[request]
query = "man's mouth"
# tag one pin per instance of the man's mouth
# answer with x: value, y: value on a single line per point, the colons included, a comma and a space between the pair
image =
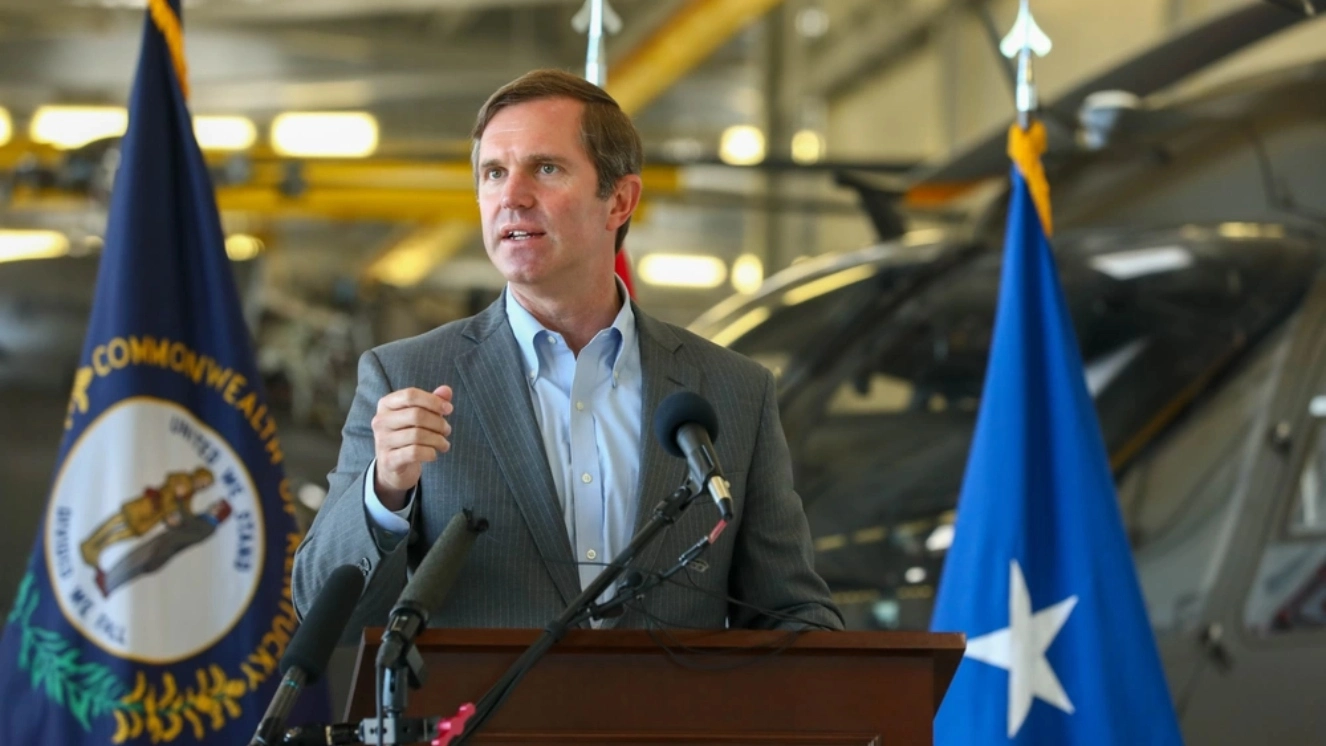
x: 520, y: 235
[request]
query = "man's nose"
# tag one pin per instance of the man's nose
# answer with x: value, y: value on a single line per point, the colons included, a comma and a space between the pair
x: 516, y: 192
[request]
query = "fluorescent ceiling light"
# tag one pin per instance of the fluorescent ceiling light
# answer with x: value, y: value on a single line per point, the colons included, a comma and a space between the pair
x: 1126, y: 265
x: 17, y: 245
x: 741, y: 145
x: 683, y: 270
x: 69, y: 127
x: 341, y: 134
x: 747, y: 274
x: 6, y: 126
x: 1250, y: 230
x: 807, y: 147
x: 224, y: 132
x: 241, y: 247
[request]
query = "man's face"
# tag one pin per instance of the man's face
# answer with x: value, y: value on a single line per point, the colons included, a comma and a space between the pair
x: 544, y: 226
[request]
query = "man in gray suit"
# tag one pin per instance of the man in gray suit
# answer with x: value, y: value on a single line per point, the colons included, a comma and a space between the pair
x: 536, y: 412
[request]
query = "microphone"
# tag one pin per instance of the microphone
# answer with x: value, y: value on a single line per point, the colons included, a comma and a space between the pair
x: 310, y: 648
x: 686, y: 425
x: 429, y: 586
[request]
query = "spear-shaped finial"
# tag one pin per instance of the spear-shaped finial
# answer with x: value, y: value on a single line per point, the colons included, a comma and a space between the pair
x: 1025, y: 38
x: 594, y: 17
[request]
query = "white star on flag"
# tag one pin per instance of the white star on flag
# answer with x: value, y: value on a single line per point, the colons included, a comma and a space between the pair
x: 1020, y: 649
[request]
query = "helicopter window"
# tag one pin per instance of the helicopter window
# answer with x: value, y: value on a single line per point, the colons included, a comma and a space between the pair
x: 1289, y: 592
x: 1179, y: 500
x: 1309, y: 510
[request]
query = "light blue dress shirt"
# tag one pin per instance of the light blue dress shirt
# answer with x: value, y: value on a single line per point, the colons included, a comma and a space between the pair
x: 589, y: 411
x: 588, y: 407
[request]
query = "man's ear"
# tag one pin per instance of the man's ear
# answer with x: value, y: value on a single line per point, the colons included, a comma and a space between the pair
x: 624, y: 199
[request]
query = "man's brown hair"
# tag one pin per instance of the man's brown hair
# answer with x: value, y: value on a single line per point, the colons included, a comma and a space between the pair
x: 607, y: 134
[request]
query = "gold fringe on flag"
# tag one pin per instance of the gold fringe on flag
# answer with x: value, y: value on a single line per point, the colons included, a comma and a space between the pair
x: 1025, y: 147
x: 169, y: 25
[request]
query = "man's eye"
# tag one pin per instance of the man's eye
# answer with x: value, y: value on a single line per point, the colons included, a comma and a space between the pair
x: 493, y: 173
x: 548, y: 168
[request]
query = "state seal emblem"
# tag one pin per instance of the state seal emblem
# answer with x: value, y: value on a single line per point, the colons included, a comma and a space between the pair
x: 170, y: 538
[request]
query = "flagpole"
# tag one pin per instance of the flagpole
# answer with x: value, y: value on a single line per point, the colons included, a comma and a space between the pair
x: 1025, y: 38
x: 1026, y: 92
x: 593, y: 18
x: 595, y: 69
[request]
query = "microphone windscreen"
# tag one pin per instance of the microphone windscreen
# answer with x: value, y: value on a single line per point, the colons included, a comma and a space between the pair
x: 681, y: 408
x: 311, y: 646
x: 439, y: 568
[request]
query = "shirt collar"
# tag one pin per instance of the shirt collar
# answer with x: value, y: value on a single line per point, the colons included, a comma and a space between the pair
x: 527, y: 329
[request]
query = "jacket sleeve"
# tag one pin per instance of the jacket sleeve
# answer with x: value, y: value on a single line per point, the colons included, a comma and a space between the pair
x: 343, y: 532
x: 773, y: 563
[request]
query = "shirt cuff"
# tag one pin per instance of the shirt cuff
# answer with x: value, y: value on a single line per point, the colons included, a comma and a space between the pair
x: 395, y: 522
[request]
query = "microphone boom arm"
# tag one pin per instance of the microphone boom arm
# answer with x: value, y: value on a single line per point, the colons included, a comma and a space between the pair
x: 583, y: 607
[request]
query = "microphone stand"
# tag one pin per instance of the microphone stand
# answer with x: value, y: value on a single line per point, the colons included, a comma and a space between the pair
x: 389, y: 727
x: 394, y: 729
x: 405, y: 673
x: 584, y: 607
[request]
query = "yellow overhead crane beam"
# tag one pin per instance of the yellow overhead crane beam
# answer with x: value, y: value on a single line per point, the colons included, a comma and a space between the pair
x: 407, y: 191
x: 369, y: 189
x: 682, y: 42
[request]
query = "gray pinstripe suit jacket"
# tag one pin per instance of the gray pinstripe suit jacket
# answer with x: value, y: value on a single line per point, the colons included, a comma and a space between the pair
x: 521, y: 572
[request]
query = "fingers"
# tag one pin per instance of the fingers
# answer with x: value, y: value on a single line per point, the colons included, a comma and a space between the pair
x: 410, y: 429
x: 411, y: 436
x: 399, y: 468
x: 412, y: 397
x: 413, y: 418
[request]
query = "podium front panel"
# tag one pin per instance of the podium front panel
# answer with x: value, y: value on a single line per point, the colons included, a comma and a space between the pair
x: 693, y: 687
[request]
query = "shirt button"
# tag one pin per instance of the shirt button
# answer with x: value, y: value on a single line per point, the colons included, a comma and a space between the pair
x: 591, y: 554
x: 580, y: 406
x: 586, y: 478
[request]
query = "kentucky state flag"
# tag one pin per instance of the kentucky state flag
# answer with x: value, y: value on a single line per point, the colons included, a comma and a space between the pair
x: 1040, y: 576
x: 157, y: 600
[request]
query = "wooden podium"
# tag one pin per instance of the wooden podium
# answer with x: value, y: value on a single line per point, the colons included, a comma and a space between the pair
x: 735, y: 688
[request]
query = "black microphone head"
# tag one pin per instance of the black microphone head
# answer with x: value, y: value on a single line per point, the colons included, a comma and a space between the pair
x: 439, y: 568
x: 681, y: 408
x: 311, y: 646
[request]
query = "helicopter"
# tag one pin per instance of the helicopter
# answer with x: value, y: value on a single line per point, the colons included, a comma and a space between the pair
x: 1191, y: 245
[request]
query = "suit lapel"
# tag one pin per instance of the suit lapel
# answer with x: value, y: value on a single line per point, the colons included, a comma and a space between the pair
x: 664, y: 373
x: 493, y: 378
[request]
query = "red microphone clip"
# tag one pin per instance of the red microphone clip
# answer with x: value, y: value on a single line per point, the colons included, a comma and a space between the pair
x: 453, y: 726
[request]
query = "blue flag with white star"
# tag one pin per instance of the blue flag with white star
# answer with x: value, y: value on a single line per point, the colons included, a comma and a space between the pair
x: 157, y: 604
x: 1040, y: 575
